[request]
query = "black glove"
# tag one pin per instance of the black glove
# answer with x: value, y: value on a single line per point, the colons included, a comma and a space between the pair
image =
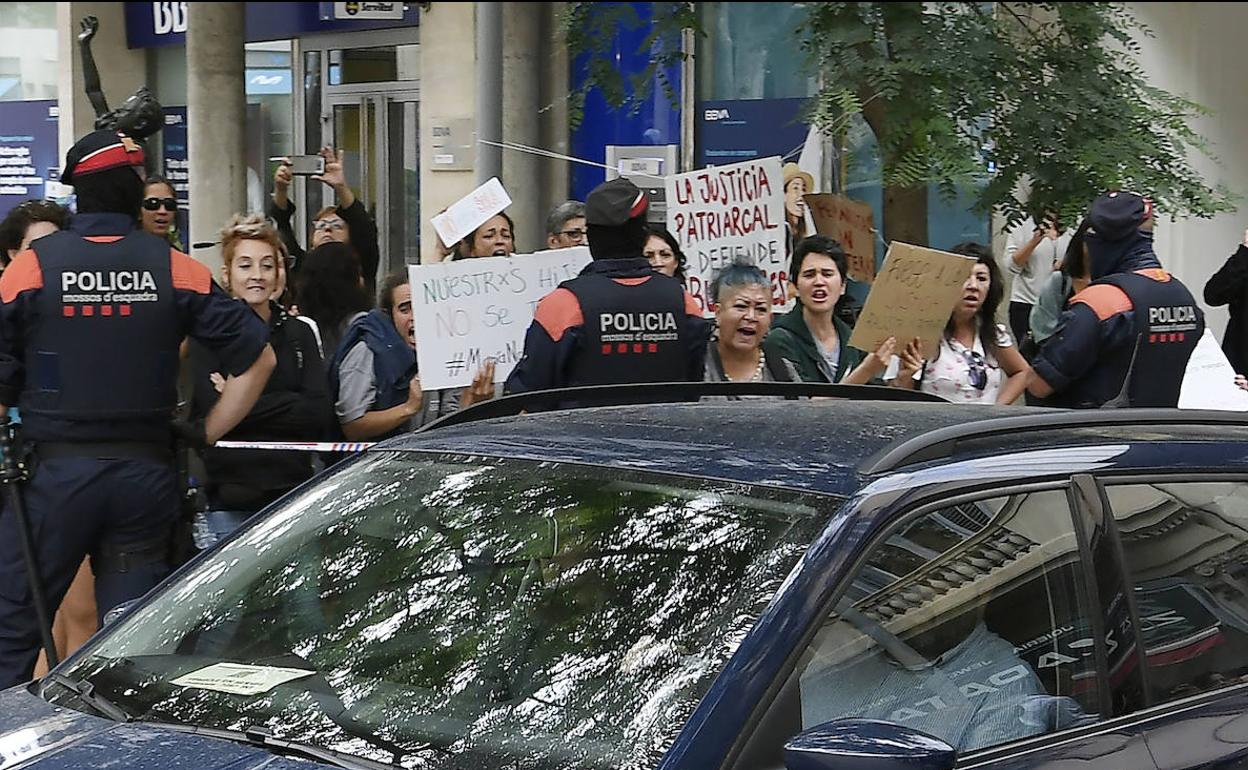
x: 191, y: 432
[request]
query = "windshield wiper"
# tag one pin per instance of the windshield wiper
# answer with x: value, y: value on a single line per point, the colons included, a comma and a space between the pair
x: 87, y: 694
x: 262, y: 738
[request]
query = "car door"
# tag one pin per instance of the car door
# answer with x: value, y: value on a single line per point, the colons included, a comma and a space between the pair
x: 1185, y: 546
x: 976, y: 620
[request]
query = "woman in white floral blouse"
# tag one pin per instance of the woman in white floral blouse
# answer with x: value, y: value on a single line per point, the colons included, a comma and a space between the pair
x: 977, y: 361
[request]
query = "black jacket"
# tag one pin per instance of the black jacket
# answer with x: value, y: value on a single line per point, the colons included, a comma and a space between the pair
x: 293, y: 407
x: 363, y: 239
x: 1229, y: 286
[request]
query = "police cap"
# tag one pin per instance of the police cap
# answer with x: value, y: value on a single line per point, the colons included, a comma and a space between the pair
x: 100, y: 151
x: 1116, y: 215
x: 613, y: 203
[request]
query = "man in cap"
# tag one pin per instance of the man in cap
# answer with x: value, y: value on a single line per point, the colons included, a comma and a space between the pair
x: 1125, y: 340
x: 91, y: 319
x: 619, y: 321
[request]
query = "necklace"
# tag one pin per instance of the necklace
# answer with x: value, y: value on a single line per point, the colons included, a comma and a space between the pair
x: 757, y: 376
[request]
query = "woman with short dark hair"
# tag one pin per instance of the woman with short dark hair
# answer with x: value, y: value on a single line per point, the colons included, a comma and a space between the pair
x: 810, y: 336
x: 741, y: 296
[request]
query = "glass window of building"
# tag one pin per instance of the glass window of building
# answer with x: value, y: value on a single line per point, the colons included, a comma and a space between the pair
x: 28, y: 40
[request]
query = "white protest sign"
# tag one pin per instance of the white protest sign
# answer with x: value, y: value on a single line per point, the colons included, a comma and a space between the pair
x: 240, y: 678
x: 472, y: 310
x: 470, y: 212
x: 1209, y: 381
x: 718, y: 214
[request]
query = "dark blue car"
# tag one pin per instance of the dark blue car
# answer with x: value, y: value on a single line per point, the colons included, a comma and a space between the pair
x: 717, y: 585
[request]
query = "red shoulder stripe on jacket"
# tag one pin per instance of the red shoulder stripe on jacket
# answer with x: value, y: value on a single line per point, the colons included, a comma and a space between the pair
x: 692, y: 306
x: 1104, y: 300
x: 189, y: 274
x: 558, y: 312
x: 22, y: 274
x: 1156, y: 273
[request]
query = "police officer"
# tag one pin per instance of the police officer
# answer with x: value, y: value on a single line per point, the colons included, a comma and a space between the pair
x: 619, y: 321
x: 91, y: 319
x: 1125, y: 340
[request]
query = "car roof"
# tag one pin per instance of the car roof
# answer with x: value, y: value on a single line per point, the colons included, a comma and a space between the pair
x: 817, y: 446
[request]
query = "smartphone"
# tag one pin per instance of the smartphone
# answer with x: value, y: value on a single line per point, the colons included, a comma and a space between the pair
x: 305, y: 165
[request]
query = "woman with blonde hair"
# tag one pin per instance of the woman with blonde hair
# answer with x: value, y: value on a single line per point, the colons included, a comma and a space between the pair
x: 295, y: 403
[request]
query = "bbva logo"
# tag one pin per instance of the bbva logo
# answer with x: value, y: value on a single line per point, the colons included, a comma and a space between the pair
x: 720, y: 114
x: 169, y: 17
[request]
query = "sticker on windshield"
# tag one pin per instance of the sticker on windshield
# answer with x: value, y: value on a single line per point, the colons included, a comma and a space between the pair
x: 240, y: 679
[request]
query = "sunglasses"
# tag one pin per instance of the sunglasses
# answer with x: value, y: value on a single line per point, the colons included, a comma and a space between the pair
x: 155, y: 204
x: 327, y: 225
x: 977, y: 368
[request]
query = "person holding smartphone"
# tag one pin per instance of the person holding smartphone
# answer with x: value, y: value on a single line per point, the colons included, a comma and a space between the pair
x: 1032, y: 252
x: 347, y: 222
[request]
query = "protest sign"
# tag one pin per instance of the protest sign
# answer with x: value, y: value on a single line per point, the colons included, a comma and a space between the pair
x: 1209, y: 381
x: 848, y: 222
x: 469, y: 212
x: 721, y: 213
x: 471, y: 310
x: 912, y: 297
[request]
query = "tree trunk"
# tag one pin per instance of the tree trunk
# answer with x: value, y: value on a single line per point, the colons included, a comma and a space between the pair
x: 905, y: 215
x: 905, y: 208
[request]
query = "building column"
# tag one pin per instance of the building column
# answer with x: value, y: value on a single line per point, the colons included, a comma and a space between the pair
x: 555, y: 176
x: 447, y: 93
x: 216, y: 121
x: 521, y: 171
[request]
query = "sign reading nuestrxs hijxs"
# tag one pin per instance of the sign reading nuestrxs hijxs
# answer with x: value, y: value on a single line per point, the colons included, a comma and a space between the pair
x: 722, y: 213
x: 472, y: 310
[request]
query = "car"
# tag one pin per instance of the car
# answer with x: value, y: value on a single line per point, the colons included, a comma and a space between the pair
x: 837, y: 583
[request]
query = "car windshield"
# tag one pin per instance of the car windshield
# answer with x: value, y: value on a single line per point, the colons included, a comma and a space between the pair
x: 444, y: 612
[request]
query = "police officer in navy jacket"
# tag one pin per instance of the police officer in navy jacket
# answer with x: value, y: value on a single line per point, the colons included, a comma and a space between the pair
x: 619, y: 321
x: 91, y: 320
x: 1126, y: 339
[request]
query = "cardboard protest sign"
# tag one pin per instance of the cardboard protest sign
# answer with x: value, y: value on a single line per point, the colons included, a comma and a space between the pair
x: 721, y: 213
x: 471, y: 310
x: 469, y: 212
x: 912, y: 297
x: 1209, y: 381
x: 849, y: 222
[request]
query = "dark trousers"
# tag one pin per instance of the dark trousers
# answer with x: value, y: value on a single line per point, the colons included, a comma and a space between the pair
x: 79, y: 506
x: 1020, y: 321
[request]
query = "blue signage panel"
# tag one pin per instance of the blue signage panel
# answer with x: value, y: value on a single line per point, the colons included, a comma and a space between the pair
x: 28, y: 150
x: 733, y: 130
x: 178, y: 165
x: 268, y: 81
x: 150, y: 25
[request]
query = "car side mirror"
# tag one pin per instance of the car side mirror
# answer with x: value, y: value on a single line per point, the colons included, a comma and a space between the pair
x: 116, y: 612
x: 866, y: 744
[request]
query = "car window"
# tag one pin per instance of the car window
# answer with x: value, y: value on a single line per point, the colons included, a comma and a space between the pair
x: 443, y: 614
x: 1185, y: 546
x: 968, y: 623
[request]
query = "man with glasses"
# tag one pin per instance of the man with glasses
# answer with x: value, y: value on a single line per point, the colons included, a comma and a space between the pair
x: 348, y: 222
x: 1126, y: 339
x: 565, y: 227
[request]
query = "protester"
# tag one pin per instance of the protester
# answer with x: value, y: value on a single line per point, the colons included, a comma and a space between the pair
x: 976, y: 361
x: 373, y: 375
x: 565, y: 227
x: 1063, y: 284
x: 331, y: 292
x: 294, y: 405
x: 664, y: 253
x: 27, y: 221
x: 1127, y: 338
x: 96, y: 385
x: 160, y: 210
x: 810, y: 336
x: 1032, y: 253
x: 797, y: 183
x: 1229, y: 286
x: 495, y: 237
x: 619, y: 321
x: 741, y: 294
x: 347, y: 222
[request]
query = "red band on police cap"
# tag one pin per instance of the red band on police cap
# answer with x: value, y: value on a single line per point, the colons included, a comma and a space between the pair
x: 639, y: 205
x: 112, y: 156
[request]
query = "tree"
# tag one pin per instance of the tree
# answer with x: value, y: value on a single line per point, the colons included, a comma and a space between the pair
x: 1046, y: 102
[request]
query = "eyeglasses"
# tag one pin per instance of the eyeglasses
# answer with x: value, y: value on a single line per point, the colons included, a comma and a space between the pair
x: 155, y: 204
x: 573, y: 234
x: 977, y: 368
x: 326, y: 225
